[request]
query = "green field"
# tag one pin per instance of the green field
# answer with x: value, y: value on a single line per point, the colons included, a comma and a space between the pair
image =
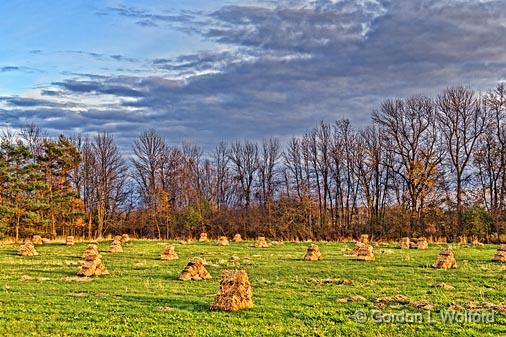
x: 142, y: 296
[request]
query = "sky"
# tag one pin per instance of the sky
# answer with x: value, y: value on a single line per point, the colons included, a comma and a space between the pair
x: 205, y: 70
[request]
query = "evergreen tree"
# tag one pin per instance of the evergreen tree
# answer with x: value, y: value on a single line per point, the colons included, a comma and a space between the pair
x: 59, y: 159
x: 22, y: 183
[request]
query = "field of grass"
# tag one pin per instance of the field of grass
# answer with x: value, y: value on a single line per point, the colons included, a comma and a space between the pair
x: 142, y: 296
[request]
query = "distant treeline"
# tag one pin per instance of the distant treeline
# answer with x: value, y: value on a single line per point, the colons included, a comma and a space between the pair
x: 424, y: 166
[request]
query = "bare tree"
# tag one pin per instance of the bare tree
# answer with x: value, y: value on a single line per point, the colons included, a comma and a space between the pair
x: 220, y: 162
x: 244, y: 157
x: 267, y: 173
x: 150, y: 153
x: 34, y: 138
x: 344, y: 152
x: 461, y: 121
x: 110, y: 175
x: 490, y: 155
x: 411, y: 129
x: 373, y: 172
x: 292, y: 160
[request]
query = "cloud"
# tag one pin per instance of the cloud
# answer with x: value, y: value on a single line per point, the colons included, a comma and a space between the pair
x: 303, y: 29
x: 146, y: 18
x: 109, y: 87
x: 8, y: 69
x: 278, y: 67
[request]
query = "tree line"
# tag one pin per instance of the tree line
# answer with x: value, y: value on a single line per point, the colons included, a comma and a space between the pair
x: 423, y: 166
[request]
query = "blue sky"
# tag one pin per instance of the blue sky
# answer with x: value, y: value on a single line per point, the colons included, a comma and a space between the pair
x: 211, y: 70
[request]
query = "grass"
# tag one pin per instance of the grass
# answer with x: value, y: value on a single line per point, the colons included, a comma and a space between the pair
x: 142, y: 296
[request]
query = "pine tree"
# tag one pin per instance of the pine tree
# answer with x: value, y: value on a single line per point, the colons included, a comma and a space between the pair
x: 59, y: 159
x: 21, y: 181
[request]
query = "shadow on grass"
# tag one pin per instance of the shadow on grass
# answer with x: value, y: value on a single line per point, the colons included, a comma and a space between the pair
x: 187, y: 305
x: 12, y: 253
x: 55, y: 274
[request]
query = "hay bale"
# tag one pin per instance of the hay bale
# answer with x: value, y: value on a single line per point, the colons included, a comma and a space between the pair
x: 237, y: 238
x: 116, y: 247
x: 92, y: 265
x: 405, y: 243
x: 393, y: 299
x: 117, y: 238
x: 445, y: 260
x: 441, y: 239
x: 26, y: 278
x: 422, y: 243
x: 169, y: 253
x: 69, y: 241
x: 443, y: 285
x: 125, y: 238
x: 28, y: 249
x: 313, y: 253
x: 261, y: 242
x: 358, y: 246
x: 475, y: 241
x: 364, y: 252
x: 194, y: 270
x: 223, y: 241
x: 203, y: 237
x: 37, y: 240
x: 353, y: 298
x: 500, y: 254
x: 77, y: 279
x: 235, y: 292
x: 364, y: 238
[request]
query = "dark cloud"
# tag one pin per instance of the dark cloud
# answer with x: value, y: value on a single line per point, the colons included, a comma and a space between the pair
x: 146, y: 18
x: 299, y: 29
x: 281, y: 66
x: 122, y: 58
x: 110, y: 87
x: 17, y: 101
x: 6, y: 69
x: 9, y: 68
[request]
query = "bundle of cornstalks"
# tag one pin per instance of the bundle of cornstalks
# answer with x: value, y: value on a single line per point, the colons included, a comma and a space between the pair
x: 364, y: 238
x: 125, y: 238
x: 364, y: 252
x: 445, y: 259
x: 203, y: 237
x: 261, y: 243
x: 116, y: 247
x: 237, y: 238
x: 69, y: 241
x: 441, y: 239
x: 117, y: 238
x: 92, y: 265
x: 194, y: 270
x: 500, y: 254
x: 169, y: 253
x: 405, y: 243
x: 28, y: 249
x: 222, y: 241
x: 462, y: 240
x: 313, y: 253
x: 475, y: 242
x: 235, y: 292
x: 422, y: 243
x: 37, y: 240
